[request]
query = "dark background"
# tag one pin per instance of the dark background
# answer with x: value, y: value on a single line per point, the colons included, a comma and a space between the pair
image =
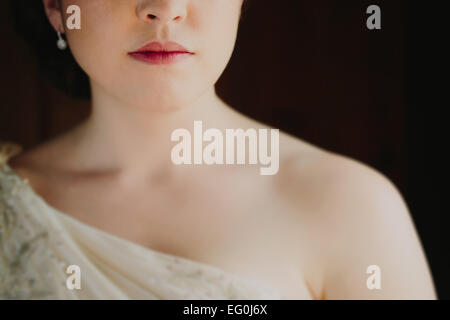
x: 310, y: 68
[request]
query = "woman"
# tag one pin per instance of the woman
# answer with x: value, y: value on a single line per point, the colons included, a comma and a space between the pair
x: 105, y: 198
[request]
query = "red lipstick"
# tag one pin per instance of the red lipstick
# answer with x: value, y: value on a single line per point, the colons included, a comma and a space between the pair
x: 156, y: 53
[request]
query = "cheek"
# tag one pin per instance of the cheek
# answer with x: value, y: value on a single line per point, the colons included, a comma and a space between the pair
x: 219, y: 37
x: 97, y: 44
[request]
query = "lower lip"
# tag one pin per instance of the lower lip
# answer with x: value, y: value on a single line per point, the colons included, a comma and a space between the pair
x: 158, y: 58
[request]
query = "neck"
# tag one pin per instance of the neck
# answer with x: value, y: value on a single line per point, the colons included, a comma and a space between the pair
x: 124, y: 138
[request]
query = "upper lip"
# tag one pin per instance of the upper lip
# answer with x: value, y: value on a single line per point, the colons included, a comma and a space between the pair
x: 156, y: 46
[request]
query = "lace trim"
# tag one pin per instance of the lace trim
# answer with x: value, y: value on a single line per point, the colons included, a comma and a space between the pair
x: 8, y: 150
x: 26, y: 257
x: 23, y: 243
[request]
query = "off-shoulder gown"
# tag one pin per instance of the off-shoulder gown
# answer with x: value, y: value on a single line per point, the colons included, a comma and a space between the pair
x: 38, y: 243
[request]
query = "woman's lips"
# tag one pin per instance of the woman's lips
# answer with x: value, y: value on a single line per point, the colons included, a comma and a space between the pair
x: 154, y: 57
x: 157, y: 53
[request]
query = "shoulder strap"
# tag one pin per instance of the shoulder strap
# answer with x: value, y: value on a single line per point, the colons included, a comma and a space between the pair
x: 8, y: 150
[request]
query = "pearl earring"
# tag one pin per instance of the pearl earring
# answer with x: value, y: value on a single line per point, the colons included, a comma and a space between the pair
x: 61, y: 43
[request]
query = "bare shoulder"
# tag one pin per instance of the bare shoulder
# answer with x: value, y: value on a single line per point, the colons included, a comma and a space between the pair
x: 337, y: 177
x: 358, y: 220
x: 39, y: 163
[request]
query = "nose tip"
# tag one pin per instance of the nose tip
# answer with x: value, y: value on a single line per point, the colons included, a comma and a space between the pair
x: 152, y: 16
x: 164, y: 12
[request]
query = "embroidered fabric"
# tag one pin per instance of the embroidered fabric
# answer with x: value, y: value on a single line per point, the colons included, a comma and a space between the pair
x: 38, y: 243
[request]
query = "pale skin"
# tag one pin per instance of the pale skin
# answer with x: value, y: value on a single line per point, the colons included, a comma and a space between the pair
x: 309, y: 231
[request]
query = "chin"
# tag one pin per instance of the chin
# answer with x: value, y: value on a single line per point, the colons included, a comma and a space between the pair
x: 162, y: 95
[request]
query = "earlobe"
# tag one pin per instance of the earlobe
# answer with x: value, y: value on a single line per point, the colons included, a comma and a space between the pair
x: 54, y: 14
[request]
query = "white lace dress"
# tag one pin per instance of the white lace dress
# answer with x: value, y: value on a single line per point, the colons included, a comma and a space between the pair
x: 38, y: 243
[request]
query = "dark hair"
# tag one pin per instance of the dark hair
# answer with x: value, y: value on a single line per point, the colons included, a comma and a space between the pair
x: 59, y: 67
